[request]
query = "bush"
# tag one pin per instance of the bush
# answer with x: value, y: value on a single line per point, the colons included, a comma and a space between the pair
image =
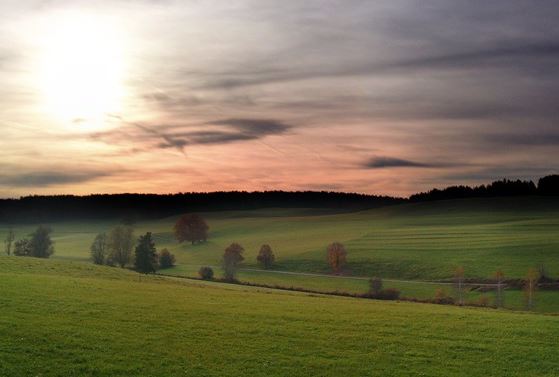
x: 387, y: 294
x: 166, y: 259
x: 442, y: 297
x: 483, y: 301
x: 206, y: 273
x: 22, y: 247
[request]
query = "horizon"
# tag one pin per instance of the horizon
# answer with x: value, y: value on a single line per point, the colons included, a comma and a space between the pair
x: 384, y: 98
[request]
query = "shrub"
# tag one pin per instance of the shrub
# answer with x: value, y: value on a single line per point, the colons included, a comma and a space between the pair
x: 483, y: 301
x: 166, y: 259
x: 387, y: 294
x: 22, y: 247
x: 206, y: 273
x: 442, y: 297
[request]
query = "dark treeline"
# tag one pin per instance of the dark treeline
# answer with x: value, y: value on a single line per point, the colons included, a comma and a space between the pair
x: 131, y: 207
x: 548, y: 185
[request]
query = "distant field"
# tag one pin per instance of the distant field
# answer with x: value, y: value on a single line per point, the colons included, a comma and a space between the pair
x: 423, y: 241
x: 61, y: 318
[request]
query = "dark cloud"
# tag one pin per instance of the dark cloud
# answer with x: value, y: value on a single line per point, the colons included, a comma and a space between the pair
x: 382, y: 162
x: 391, y: 162
x: 254, y: 127
x: 49, y: 178
x: 221, y: 131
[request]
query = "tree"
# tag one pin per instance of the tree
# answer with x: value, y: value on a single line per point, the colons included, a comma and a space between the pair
x: 10, y: 237
x: 166, y: 259
x: 206, y: 273
x: 459, y: 284
x: 266, y: 256
x: 500, y: 297
x: 99, y: 249
x: 146, y: 254
x: 119, y: 245
x: 192, y: 228
x: 530, y: 285
x: 232, y: 257
x: 40, y: 244
x: 22, y: 247
x: 375, y: 285
x: 336, y: 255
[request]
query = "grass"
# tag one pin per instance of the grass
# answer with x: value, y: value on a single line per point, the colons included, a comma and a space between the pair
x: 422, y: 241
x: 61, y: 318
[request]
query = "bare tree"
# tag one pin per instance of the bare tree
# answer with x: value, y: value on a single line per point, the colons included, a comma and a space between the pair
x: 120, y: 244
x: 500, y: 298
x: 530, y: 285
x: 10, y: 237
x: 99, y: 249
x: 459, y: 284
x: 336, y: 255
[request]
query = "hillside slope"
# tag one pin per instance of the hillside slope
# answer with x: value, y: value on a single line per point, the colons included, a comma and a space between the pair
x: 61, y: 318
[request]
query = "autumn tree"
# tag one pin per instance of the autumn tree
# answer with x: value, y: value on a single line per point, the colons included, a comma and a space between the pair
x: 8, y: 241
x: 499, y: 297
x: 119, y: 245
x: 459, y: 284
x: 192, y: 228
x: 145, y: 260
x: 266, y: 256
x: 336, y: 255
x: 530, y: 286
x: 166, y: 259
x: 40, y: 244
x: 98, y: 249
x: 232, y: 257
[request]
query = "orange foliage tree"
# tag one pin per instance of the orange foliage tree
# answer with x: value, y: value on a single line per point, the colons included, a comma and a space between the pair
x: 336, y: 255
x: 192, y: 228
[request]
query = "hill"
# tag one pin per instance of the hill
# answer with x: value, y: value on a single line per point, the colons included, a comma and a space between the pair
x: 62, y: 318
x: 411, y: 241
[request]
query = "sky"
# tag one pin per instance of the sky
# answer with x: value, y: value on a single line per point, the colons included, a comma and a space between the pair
x: 381, y: 97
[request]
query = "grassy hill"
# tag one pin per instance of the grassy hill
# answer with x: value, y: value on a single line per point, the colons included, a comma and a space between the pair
x: 413, y: 241
x: 61, y: 318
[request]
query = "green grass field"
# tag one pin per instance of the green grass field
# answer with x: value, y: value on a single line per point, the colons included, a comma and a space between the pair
x: 419, y: 242
x: 62, y: 318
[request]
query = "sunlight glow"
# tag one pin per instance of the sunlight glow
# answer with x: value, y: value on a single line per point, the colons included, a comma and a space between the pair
x: 82, y: 67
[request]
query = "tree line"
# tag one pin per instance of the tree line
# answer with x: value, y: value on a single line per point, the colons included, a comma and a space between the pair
x: 132, y: 207
x: 546, y: 186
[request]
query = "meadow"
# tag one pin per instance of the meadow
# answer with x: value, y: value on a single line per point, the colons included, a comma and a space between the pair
x: 61, y: 318
x: 413, y: 243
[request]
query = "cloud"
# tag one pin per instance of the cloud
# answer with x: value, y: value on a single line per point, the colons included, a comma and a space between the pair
x: 382, y: 162
x: 525, y: 56
x: 49, y: 178
x: 221, y: 131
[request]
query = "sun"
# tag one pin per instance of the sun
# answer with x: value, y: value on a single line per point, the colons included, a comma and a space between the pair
x: 82, y: 67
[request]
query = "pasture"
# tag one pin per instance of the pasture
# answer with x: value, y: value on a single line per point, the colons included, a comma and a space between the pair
x: 415, y: 241
x: 62, y: 318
